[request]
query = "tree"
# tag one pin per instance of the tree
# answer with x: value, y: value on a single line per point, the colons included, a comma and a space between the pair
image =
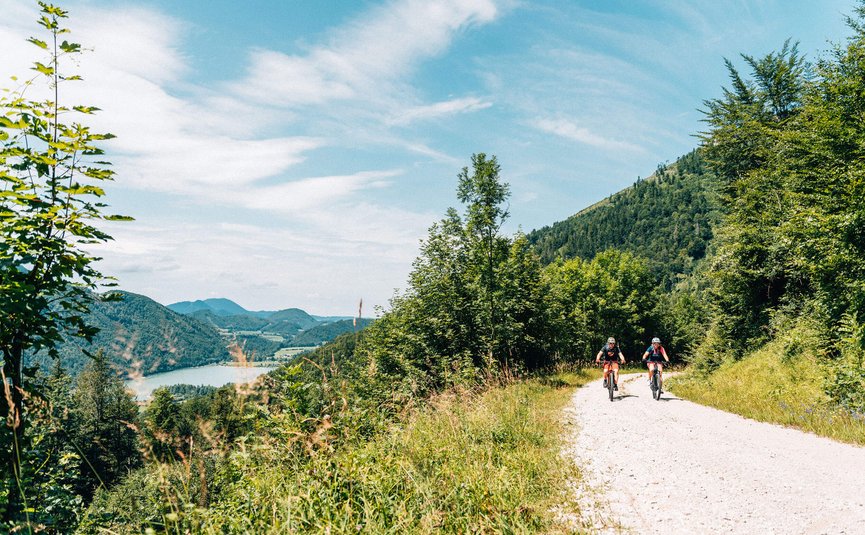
x: 614, y: 294
x: 107, y: 414
x: 49, y: 190
x: 484, y: 195
x: 745, y: 141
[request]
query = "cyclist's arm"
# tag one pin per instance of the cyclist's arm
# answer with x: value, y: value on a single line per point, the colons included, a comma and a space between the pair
x: 664, y: 352
x: 645, y: 355
x: 598, y: 356
x: 621, y: 356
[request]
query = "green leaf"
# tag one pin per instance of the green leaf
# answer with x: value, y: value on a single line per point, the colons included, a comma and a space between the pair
x: 37, y: 42
x: 48, y: 71
x: 68, y: 47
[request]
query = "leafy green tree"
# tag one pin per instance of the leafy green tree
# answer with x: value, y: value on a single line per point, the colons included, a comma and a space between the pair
x: 107, y: 418
x: 474, y: 302
x: 614, y: 294
x: 747, y: 127
x: 162, y: 419
x: 484, y: 195
x: 49, y: 176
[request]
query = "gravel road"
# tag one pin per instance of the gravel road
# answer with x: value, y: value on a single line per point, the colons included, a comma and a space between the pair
x: 672, y: 466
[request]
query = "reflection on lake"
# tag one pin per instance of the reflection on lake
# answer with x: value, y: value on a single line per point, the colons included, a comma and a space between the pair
x: 211, y: 375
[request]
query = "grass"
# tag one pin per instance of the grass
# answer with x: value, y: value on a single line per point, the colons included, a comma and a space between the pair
x: 769, y: 388
x: 464, y: 462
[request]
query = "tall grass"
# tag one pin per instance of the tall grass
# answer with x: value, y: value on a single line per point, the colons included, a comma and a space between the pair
x: 770, y: 386
x: 464, y: 462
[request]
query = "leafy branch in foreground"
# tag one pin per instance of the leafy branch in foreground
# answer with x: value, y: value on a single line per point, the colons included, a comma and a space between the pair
x: 50, y: 176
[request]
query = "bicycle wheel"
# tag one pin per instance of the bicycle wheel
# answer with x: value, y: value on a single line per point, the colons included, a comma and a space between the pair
x: 656, y: 385
x: 611, y: 384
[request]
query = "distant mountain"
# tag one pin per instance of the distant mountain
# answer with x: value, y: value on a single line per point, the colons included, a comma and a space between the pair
x: 295, y: 326
x: 329, y: 331
x: 286, y: 322
x: 330, y: 319
x: 236, y: 322
x: 291, y: 316
x: 218, y: 306
x: 140, y: 336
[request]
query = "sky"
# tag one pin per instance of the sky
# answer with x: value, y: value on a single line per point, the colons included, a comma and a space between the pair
x: 293, y: 154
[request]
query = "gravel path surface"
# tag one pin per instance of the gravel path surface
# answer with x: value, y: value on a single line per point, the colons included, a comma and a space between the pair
x: 672, y: 466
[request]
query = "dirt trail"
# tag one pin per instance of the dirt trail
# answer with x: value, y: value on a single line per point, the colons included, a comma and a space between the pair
x: 672, y: 466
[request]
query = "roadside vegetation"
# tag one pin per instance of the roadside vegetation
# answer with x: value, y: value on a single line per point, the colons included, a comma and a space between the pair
x: 465, y: 460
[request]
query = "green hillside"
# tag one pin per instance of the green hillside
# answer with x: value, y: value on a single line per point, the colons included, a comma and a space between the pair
x: 329, y: 331
x: 285, y: 320
x: 666, y: 218
x: 141, y: 336
x: 234, y: 322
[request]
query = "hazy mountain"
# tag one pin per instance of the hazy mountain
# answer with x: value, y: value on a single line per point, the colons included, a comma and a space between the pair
x: 328, y: 331
x: 234, y: 322
x: 218, y: 306
x: 330, y: 319
x: 140, y: 335
x: 291, y: 316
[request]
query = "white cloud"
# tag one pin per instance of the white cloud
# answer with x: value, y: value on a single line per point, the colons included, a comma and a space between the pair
x: 572, y: 131
x: 439, y: 109
x: 309, y: 193
x: 365, y: 57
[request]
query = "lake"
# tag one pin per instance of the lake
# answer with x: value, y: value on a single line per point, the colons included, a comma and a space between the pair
x: 210, y: 375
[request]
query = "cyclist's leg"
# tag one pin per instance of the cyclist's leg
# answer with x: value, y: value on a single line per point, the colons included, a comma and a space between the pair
x: 606, y: 371
x: 615, y: 367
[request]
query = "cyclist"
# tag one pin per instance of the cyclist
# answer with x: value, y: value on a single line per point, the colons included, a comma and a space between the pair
x: 612, y: 355
x: 654, y: 356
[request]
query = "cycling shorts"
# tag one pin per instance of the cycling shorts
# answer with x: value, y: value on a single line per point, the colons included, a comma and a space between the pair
x: 656, y: 361
x: 611, y: 365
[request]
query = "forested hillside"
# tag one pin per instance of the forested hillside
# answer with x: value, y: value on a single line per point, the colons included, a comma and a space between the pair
x: 666, y: 219
x: 140, y: 336
x: 329, y: 331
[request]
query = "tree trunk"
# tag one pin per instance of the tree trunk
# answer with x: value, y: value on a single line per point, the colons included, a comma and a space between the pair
x: 13, y: 402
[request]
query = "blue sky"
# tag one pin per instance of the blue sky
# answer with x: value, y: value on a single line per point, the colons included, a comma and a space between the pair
x: 293, y: 154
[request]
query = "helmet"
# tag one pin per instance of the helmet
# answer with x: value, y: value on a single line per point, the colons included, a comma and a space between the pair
x: 656, y: 340
x: 611, y: 340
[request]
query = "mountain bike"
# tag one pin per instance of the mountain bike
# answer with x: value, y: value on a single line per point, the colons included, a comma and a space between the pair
x: 611, y: 382
x: 655, y: 383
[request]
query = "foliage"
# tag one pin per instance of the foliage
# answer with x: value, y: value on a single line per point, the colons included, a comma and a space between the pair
x: 614, y: 294
x: 50, y: 176
x: 787, y: 146
x: 467, y: 462
x: 106, y: 433
x: 474, y: 305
